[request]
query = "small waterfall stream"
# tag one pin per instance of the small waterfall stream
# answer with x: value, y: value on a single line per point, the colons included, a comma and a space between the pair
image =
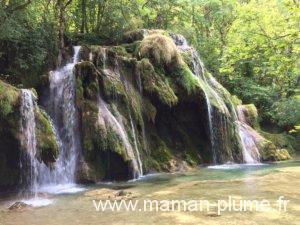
x: 63, y: 110
x: 249, y: 149
x: 110, y: 118
x: 64, y: 122
x: 116, y: 123
x: 249, y: 136
x: 38, y: 171
x: 137, y: 152
x: 28, y: 139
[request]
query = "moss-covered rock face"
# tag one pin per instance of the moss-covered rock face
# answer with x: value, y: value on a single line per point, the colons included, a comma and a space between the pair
x: 156, y: 84
x: 248, y: 114
x: 10, y: 143
x: 146, y: 101
x: 104, y: 152
x: 282, y: 141
x: 9, y: 137
x: 47, y: 146
x: 152, y: 88
x: 269, y: 152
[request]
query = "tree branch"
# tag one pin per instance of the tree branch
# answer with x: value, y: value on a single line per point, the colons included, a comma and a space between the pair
x: 18, y: 7
x: 68, y: 3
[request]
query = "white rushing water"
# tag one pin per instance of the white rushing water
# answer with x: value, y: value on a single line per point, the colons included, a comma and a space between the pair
x: 28, y: 139
x: 64, y: 124
x: 115, y: 123
x: 62, y: 109
x: 60, y: 179
x: 137, y: 152
x: 249, y: 137
x: 29, y: 163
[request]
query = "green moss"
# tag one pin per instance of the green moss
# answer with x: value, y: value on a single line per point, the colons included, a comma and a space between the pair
x: 9, y: 135
x: 187, y: 58
x: 9, y: 97
x: 235, y: 100
x: 191, y: 158
x: 250, y: 114
x: 47, y: 146
x: 119, y: 50
x: 156, y: 84
x: 99, y: 139
x: 149, y: 110
x: 188, y: 80
x: 132, y: 47
x: 269, y: 152
x: 87, y: 81
x: 113, y: 87
x: 161, y: 154
x: 160, y: 49
x: 281, y: 141
x: 135, y: 35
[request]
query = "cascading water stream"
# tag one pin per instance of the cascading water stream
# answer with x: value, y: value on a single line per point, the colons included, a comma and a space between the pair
x: 137, y: 152
x: 211, y: 131
x: 62, y: 110
x: 108, y: 119
x: 140, y: 89
x: 34, y: 171
x: 249, y: 149
x: 115, y: 123
x: 248, y: 136
x: 28, y: 139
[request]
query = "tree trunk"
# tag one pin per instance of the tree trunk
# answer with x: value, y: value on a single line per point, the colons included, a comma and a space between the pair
x: 84, y: 28
x: 61, y: 5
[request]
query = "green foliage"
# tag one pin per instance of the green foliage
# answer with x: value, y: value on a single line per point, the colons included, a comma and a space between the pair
x: 251, y: 92
x: 27, y: 41
x: 286, y: 113
x: 8, y: 99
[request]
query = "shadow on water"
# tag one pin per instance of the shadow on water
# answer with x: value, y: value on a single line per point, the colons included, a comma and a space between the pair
x: 221, y: 172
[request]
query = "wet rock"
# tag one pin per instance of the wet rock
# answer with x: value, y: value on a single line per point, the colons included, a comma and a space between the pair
x: 109, y: 194
x: 17, y: 206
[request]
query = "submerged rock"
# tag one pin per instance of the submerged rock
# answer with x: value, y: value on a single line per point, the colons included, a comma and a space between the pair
x: 110, y: 194
x: 19, y: 206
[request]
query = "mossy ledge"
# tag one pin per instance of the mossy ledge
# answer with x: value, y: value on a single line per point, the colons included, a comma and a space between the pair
x: 10, y: 147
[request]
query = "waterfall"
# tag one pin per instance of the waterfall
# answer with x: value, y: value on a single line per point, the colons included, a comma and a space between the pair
x: 62, y: 109
x: 28, y: 139
x: 137, y: 152
x: 198, y: 70
x: 116, y: 124
x: 211, y: 131
x: 104, y: 57
x: 212, y: 90
x: 64, y: 123
x: 249, y: 137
